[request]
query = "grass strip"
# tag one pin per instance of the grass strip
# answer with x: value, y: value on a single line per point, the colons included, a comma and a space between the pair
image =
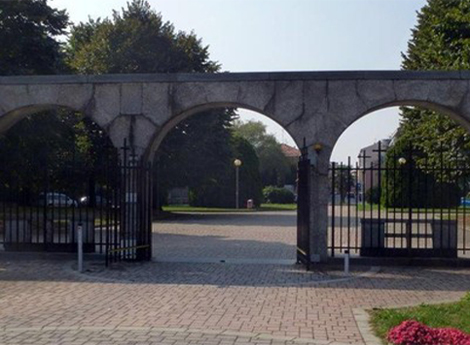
x: 455, y: 315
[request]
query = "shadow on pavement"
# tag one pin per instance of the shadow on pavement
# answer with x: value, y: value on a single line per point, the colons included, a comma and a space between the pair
x: 279, y: 219
x: 235, y: 275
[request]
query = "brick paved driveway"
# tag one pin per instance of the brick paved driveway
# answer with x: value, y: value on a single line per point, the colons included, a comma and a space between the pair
x: 46, y: 302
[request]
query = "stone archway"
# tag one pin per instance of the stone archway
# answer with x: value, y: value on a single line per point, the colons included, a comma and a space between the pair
x: 317, y: 106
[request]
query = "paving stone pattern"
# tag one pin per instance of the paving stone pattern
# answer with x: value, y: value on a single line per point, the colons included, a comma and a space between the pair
x: 47, y: 302
x: 44, y: 302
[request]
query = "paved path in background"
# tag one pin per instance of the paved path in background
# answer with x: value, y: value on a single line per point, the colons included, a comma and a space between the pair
x: 46, y: 302
x: 222, y: 236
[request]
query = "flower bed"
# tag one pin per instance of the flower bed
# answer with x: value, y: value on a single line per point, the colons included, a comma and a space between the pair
x: 414, y: 333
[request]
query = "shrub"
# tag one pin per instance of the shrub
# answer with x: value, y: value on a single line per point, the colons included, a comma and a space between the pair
x: 276, y: 195
x: 412, y: 332
x: 373, y: 195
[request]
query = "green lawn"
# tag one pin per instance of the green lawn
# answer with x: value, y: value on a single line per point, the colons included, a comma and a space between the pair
x: 454, y: 315
x: 278, y: 207
x: 375, y: 207
x: 264, y: 207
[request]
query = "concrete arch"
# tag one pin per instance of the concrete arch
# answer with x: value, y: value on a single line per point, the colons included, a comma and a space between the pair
x: 427, y: 105
x: 163, y: 131
x: 9, y: 119
x: 350, y: 100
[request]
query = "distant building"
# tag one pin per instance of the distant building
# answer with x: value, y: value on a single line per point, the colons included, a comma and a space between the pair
x: 291, y: 153
x: 369, y: 160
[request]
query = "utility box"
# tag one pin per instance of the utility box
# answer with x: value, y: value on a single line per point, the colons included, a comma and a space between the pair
x: 444, y: 236
x: 372, y: 236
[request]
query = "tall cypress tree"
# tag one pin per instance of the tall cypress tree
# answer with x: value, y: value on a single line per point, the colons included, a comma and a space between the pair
x: 440, y: 41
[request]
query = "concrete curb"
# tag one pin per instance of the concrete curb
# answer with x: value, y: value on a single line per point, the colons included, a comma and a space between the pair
x: 362, y: 319
x: 87, y: 276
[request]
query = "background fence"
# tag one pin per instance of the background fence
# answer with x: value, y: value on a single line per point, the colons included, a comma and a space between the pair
x: 112, y: 203
x: 400, y: 204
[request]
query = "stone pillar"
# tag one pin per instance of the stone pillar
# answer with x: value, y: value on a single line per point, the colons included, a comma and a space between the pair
x: 319, y: 197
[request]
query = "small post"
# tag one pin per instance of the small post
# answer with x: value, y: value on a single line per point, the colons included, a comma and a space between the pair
x: 237, y: 163
x: 346, y: 262
x: 80, y: 246
x: 237, y: 189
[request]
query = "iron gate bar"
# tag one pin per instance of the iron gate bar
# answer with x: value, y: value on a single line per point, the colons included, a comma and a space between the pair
x: 465, y: 193
x: 333, y: 208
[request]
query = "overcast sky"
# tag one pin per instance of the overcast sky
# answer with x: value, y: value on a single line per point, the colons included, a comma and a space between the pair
x: 291, y: 35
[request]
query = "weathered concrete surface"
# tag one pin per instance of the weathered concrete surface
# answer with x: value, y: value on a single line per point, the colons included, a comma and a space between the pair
x: 317, y: 106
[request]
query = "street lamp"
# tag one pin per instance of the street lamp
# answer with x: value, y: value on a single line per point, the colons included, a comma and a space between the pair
x: 237, y: 164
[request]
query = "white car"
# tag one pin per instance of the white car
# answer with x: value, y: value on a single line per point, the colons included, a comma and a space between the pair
x: 57, y: 200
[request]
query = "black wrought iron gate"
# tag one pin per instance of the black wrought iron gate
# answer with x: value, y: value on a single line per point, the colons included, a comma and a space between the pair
x: 400, y: 203
x: 303, y: 210
x: 131, y: 238
x: 111, y: 204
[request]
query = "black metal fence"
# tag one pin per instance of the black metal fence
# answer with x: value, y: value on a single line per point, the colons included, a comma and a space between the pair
x: 111, y: 203
x: 400, y: 203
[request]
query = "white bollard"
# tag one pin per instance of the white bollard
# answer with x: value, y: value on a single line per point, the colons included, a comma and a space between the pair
x: 346, y: 262
x: 80, y: 246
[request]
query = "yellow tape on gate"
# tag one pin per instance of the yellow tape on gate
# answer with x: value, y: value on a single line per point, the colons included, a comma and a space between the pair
x: 129, y: 248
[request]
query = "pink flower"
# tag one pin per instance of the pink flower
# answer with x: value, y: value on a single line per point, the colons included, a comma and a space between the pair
x: 411, y: 332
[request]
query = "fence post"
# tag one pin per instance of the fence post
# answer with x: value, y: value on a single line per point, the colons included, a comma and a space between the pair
x: 80, y: 246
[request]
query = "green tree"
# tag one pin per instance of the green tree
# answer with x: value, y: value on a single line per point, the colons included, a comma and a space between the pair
x: 190, y: 157
x: 275, y: 168
x: 197, y: 152
x: 136, y: 40
x: 60, y: 149
x: 440, y: 41
x: 56, y: 140
x: 409, y: 181
x: 28, y: 36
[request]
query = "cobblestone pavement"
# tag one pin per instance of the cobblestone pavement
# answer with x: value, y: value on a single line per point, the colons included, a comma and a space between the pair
x: 45, y: 302
x: 257, y: 235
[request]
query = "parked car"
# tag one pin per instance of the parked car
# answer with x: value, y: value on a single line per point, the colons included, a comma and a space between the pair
x: 100, y: 200
x: 56, y: 199
x: 464, y: 201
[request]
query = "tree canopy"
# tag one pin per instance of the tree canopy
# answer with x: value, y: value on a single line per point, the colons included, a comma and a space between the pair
x: 198, y: 151
x: 440, y: 41
x: 275, y: 169
x: 136, y: 40
x: 28, y: 36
